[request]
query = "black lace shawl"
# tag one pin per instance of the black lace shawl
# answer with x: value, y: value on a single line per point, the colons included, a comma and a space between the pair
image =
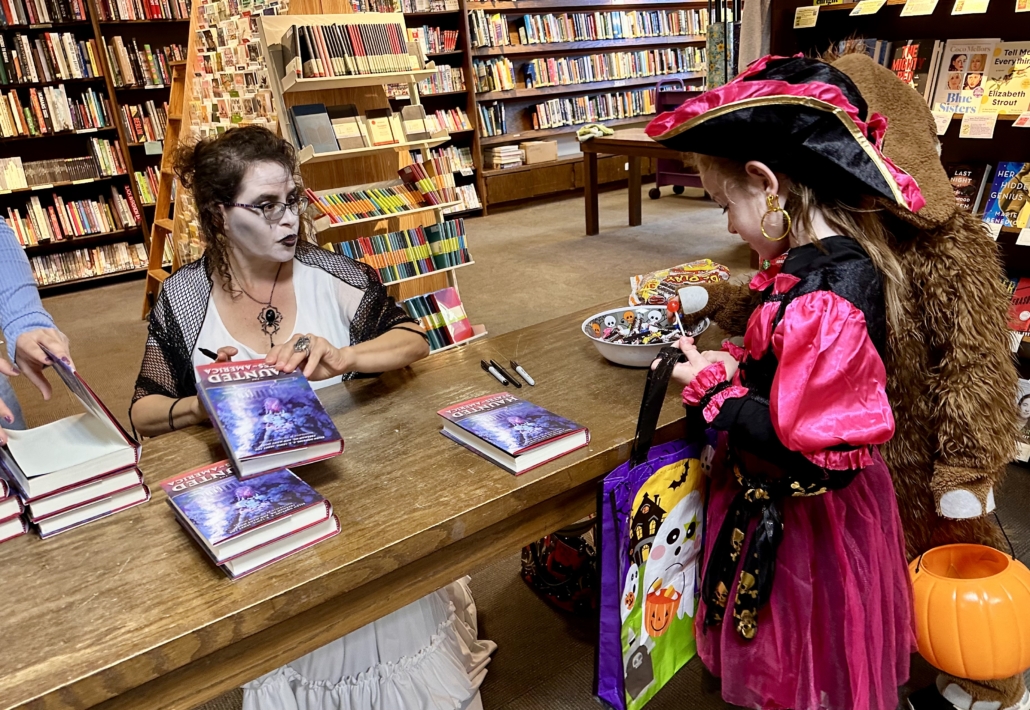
x: 178, y: 315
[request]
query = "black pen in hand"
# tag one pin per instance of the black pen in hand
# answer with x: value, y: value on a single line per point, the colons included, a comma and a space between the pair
x: 205, y: 351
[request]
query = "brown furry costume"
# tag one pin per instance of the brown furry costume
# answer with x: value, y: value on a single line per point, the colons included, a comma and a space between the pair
x: 951, y: 379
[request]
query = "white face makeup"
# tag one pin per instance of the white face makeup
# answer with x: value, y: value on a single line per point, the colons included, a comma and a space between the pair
x: 745, y: 207
x: 248, y: 230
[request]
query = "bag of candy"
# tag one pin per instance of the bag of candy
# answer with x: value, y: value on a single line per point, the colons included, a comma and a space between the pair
x: 656, y: 288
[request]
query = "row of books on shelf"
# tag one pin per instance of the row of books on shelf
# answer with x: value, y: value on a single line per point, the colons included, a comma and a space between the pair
x: 612, y: 66
x: 449, y: 159
x: 488, y: 29
x: 49, y: 109
x: 443, y: 316
x: 109, y: 157
x: 493, y: 74
x: 433, y: 40
x: 41, y: 12
x: 599, y: 107
x: 959, y: 75
x: 437, y: 187
x: 68, y: 220
x: 15, y: 175
x: 409, y: 6
x: 492, y: 119
x: 66, y: 266
x: 348, y: 49
x: 1000, y: 194
x: 357, y: 204
x: 122, y: 10
x: 145, y: 122
x: 446, y: 79
x: 410, y: 252
x: 341, y: 127
x: 146, y: 67
x: 468, y: 200
x: 147, y: 182
x: 48, y: 57
x: 627, y: 24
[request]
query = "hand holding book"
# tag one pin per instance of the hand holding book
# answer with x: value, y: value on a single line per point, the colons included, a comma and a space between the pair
x: 320, y: 359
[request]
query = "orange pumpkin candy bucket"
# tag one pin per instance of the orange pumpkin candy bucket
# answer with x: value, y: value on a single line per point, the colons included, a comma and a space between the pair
x: 972, y: 611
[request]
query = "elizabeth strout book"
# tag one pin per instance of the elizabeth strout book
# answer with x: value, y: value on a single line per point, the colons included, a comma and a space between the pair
x: 266, y: 419
x: 231, y: 519
x: 515, y: 434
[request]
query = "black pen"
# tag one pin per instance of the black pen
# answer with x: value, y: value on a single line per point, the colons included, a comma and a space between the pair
x: 493, y: 371
x: 506, y: 374
x: 205, y: 351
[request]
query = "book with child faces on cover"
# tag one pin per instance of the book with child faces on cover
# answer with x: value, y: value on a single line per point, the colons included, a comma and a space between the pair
x: 266, y: 419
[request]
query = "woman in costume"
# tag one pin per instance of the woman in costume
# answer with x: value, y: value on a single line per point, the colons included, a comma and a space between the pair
x: 805, y: 598
x: 262, y: 290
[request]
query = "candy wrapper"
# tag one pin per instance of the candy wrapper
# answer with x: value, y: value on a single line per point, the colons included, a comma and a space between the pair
x: 656, y: 288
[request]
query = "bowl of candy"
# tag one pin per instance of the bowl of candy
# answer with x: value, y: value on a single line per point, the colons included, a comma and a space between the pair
x: 634, y: 336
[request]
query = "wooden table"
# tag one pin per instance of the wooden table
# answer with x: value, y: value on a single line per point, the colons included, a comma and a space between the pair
x: 127, y: 613
x: 634, y: 144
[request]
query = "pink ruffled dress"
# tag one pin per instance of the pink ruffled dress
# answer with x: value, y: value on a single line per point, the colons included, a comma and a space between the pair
x: 806, y: 602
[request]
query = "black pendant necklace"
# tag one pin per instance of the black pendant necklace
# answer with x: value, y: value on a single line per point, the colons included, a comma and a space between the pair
x: 269, y: 316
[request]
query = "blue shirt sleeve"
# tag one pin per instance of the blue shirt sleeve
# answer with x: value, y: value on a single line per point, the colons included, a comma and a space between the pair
x: 20, y: 307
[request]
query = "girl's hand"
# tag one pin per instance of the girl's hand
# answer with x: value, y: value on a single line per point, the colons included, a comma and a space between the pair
x: 320, y: 359
x: 728, y: 361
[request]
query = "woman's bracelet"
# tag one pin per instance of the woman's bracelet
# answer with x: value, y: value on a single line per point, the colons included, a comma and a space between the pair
x: 171, y: 419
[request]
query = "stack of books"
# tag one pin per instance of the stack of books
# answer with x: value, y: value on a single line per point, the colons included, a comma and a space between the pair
x: 411, y: 252
x: 442, y: 314
x: 598, y: 107
x: 47, y: 57
x: 133, y: 66
x: 347, y: 49
x: 503, y: 157
x: 52, y: 269
x: 77, y: 469
x: 353, y: 205
x: 12, y: 524
x: 244, y: 526
x: 48, y: 110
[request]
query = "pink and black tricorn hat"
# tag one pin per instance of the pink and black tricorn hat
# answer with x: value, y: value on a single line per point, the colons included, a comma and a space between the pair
x: 799, y: 116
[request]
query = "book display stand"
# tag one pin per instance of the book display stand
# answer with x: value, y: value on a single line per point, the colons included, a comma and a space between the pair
x: 355, y: 169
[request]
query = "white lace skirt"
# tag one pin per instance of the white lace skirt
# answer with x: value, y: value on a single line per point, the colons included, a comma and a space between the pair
x: 425, y: 656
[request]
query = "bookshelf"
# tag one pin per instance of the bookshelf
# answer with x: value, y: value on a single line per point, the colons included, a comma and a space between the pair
x: 349, y: 170
x: 1009, y: 143
x: 610, y: 62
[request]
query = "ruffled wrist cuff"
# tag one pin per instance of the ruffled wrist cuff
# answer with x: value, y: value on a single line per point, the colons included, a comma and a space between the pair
x: 850, y: 460
x: 710, y: 389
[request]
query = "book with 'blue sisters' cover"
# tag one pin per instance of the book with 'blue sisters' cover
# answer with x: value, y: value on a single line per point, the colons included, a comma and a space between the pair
x: 513, y: 433
x: 266, y: 419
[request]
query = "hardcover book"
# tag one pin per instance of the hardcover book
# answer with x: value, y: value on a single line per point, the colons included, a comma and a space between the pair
x: 83, y: 494
x: 266, y: 419
x: 1007, y: 200
x: 969, y: 181
x: 102, y: 508
x: 515, y: 434
x: 1007, y: 84
x: 279, y: 549
x: 960, y: 78
x: 314, y: 127
x: 69, y: 451
x: 12, y: 528
x: 912, y: 62
x: 1019, y: 307
x: 231, y: 517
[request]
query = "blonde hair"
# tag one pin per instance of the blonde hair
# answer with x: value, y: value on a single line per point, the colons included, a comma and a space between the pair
x: 859, y: 219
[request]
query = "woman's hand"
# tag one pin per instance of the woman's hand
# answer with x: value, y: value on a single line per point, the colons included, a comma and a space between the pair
x: 226, y: 353
x: 30, y: 359
x: 321, y: 359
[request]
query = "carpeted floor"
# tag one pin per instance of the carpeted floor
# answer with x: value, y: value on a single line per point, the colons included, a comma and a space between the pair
x: 532, y: 264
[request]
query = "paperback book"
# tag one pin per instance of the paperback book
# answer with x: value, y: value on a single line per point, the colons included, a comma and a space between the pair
x: 1007, y: 84
x: 515, y: 434
x: 960, y: 77
x: 1007, y: 200
x: 266, y: 419
x: 969, y: 181
x: 230, y: 517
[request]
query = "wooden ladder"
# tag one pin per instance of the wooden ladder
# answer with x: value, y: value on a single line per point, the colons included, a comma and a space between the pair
x: 163, y: 227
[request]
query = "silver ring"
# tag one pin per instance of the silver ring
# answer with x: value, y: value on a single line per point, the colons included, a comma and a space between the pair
x: 302, y: 345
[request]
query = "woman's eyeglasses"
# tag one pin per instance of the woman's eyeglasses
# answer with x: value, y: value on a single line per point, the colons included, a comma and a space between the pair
x: 274, y: 211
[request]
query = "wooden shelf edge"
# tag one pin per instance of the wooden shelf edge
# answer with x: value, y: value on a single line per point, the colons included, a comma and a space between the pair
x: 76, y: 242
x: 589, y: 44
x: 425, y: 276
x: 510, y: 94
x: 329, y: 227
x: 310, y: 157
x: 528, y: 135
x: 524, y: 168
x: 291, y: 84
x: 140, y: 271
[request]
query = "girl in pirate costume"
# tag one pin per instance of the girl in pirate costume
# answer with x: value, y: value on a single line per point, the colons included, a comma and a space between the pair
x: 805, y: 598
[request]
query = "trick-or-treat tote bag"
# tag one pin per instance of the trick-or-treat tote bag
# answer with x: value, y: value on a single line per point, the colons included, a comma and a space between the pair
x: 650, y: 512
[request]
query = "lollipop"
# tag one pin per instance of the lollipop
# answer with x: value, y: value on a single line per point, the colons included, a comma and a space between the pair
x: 673, y: 307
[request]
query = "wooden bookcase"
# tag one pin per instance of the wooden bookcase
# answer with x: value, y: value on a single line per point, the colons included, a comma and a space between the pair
x: 531, y: 181
x: 1000, y: 21
x: 350, y: 169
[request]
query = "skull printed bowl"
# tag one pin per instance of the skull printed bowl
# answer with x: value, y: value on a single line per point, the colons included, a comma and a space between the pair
x: 620, y: 319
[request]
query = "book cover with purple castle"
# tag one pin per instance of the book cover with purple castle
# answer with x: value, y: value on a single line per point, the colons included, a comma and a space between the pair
x: 259, y: 410
x: 220, y: 506
x: 511, y: 424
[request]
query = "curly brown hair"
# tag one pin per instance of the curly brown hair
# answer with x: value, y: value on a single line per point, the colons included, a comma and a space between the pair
x: 212, y: 169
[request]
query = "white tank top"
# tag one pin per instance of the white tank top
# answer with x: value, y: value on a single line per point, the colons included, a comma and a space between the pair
x: 325, y: 307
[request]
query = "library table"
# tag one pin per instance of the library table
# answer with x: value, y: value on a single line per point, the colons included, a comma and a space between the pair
x: 634, y: 144
x: 126, y: 613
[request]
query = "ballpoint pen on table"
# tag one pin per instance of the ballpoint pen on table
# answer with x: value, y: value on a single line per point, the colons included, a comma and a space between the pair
x: 522, y: 373
x: 493, y: 371
x: 506, y: 374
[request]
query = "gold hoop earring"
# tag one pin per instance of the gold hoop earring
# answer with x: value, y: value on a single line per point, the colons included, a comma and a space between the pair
x: 773, y: 202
